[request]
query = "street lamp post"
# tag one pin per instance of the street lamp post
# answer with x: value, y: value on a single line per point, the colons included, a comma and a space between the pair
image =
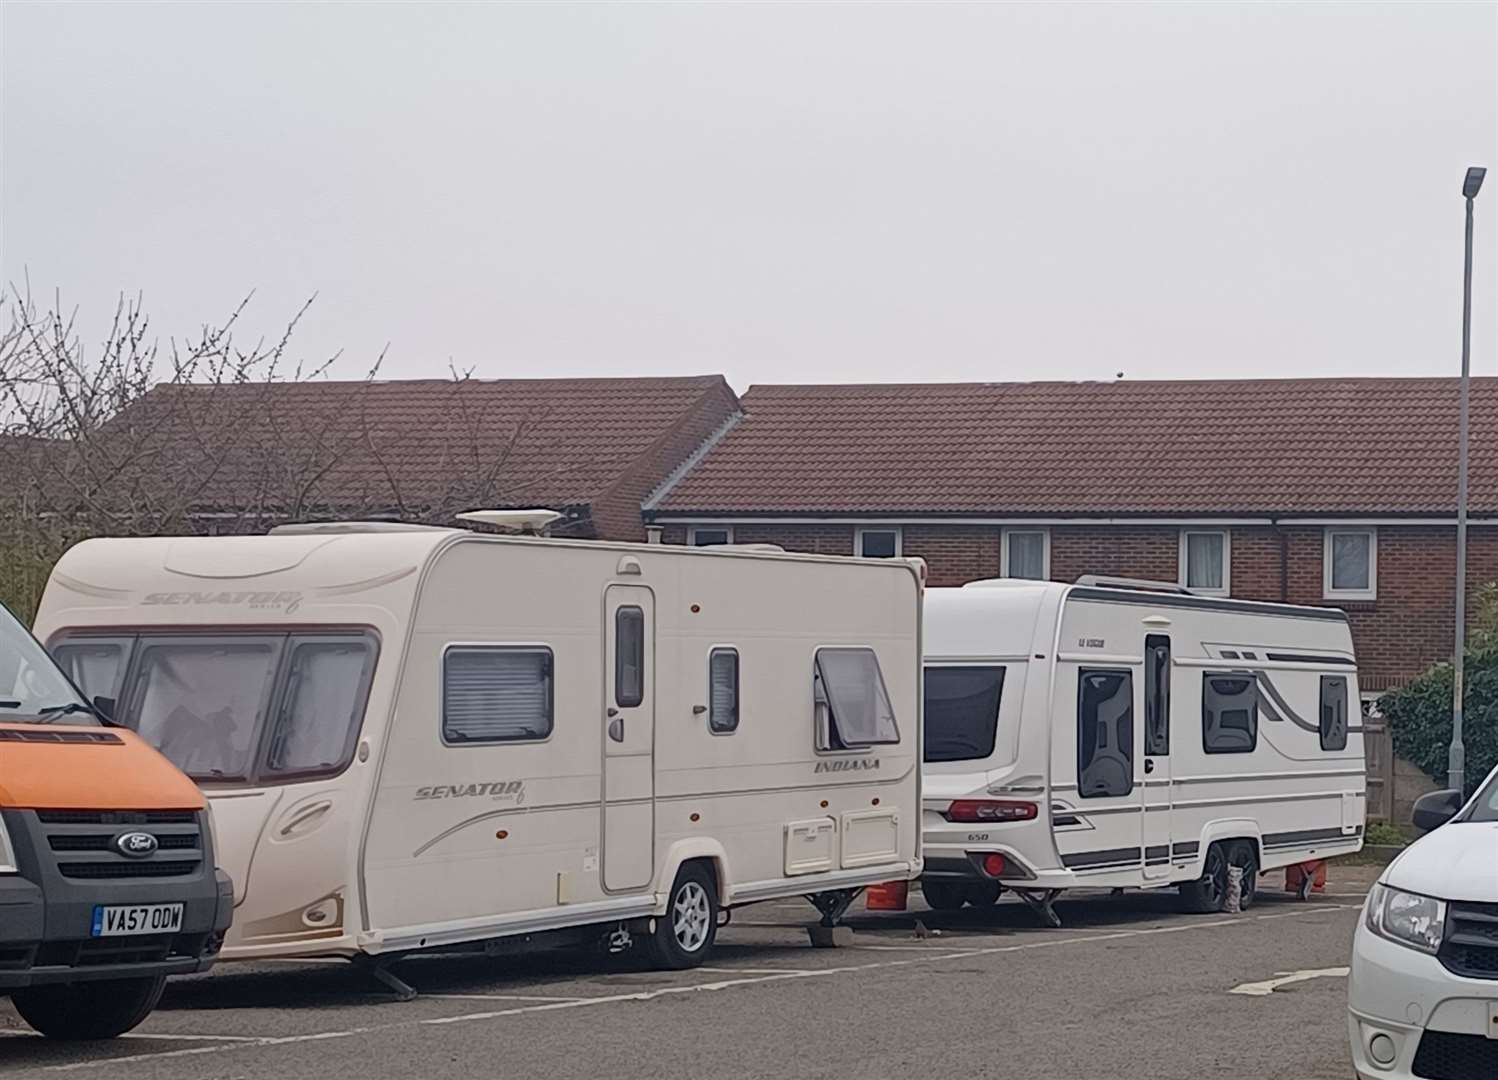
x: 1456, y: 763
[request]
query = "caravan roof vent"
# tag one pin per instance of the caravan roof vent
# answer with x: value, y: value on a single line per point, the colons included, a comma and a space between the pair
x: 529, y: 522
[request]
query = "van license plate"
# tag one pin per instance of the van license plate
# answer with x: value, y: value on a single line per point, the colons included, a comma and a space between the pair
x: 124, y: 920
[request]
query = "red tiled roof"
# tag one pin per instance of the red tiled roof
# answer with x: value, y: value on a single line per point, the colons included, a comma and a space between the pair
x: 509, y: 442
x: 1301, y: 446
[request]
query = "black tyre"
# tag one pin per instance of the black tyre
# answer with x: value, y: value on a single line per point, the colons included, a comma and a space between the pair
x: 89, y: 1010
x: 1245, y: 856
x: 983, y: 893
x: 684, y: 935
x: 1208, y: 893
x: 944, y: 895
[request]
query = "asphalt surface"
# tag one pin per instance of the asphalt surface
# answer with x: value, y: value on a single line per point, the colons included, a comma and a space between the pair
x: 1128, y: 988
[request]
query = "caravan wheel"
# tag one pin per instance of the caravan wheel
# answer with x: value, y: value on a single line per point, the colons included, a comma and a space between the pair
x: 1208, y: 893
x: 684, y: 935
x: 943, y: 895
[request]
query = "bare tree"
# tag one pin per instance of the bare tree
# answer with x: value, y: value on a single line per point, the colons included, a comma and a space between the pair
x: 217, y: 433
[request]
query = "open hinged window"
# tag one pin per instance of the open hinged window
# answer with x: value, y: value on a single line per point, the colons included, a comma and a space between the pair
x: 852, y: 705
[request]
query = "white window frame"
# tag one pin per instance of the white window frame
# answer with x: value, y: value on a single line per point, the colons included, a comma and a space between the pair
x: 1227, y: 561
x: 1329, y: 593
x: 1045, y: 558
x: 692, y: 531
x: 899, y: 538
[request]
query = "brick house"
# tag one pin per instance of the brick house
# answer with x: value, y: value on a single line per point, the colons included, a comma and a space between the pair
x: 1316, y: 491
x: 241, y: 456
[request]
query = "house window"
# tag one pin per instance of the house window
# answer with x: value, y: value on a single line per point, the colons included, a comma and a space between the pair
x: 1333, y: 712
x: 723, y: 691
x: 878, y: 543
x: 1350, y: 564
x: 1206, y: 559
x: 853, y: 709
x: 496, y: 694
x: 1026, y: 553
x: 1230, y: 713
x: 709, y: 537
x: 1105, y: 733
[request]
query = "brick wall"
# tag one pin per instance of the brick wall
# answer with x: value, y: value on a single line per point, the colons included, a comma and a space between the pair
x: 1404, y: 631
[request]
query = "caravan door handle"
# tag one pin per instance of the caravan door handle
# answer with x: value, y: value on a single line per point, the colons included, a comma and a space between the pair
x: 616, y: 729
x: 1149, y: 766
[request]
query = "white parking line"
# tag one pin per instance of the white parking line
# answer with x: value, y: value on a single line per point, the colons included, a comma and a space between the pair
x: 193, y: 1038
x: 751, y: 971
x: 1059, y: 940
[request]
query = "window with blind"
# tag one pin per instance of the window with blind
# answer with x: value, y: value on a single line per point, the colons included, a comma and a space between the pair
x: 493, y: 693
x: 1333, y: 726
x: 723, y: 691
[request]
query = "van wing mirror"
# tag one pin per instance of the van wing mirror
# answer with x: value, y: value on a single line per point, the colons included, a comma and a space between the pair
x: 1436, y: 809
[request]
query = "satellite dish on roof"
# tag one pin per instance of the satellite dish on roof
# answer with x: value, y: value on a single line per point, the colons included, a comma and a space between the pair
x: 526, y: 522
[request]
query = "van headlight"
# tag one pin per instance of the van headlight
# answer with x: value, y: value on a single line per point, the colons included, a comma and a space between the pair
x: 7, y: 852
x: 1407, y: 918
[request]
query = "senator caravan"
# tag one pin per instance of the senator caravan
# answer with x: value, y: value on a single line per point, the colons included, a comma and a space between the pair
x: 414, y: 737
x: 1121, y: 734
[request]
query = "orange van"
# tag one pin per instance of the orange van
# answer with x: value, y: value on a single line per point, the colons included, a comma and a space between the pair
x: 107, y: 877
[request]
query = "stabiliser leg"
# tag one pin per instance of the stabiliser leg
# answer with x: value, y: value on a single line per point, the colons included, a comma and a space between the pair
x: 378, y: 968
x: 1041, y: 903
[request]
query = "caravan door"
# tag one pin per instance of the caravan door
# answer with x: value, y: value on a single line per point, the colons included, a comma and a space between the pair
x: 1156, y: 791
x: 628, y: 738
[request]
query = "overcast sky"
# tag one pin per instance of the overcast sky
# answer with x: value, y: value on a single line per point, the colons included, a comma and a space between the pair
x: 779, y: 192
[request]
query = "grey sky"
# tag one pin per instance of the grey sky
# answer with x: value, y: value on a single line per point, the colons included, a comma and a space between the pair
x: 780, y: 192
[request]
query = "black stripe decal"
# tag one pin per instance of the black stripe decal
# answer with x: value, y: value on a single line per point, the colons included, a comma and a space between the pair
x: 1189, y: 847
x: 1097, y: 859
x: 1204, y: 603
x: 1152, y: 854
x: 1275, y: 696
x: 1307, y: 836
x: 1308, y: 658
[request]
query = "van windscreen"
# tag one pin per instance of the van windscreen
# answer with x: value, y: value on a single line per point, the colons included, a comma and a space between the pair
x: 962, y: 711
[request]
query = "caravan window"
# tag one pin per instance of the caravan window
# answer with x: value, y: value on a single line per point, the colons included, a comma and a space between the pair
x: 852, y: 706
x: 1105, y: 733
x: 1333, y: 712
x: 318, y: 722
x: 629, y: 656
x: 96, y: 665
x: 962, y: 712
x: 1156, y: 695
x: 200, y: 704
x: 723, y: 691
x: 1230, y: 713
x: 496, y: 694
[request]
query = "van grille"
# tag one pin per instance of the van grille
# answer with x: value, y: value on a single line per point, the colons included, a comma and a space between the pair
x: 117, y: 817
x: 1446, y: 1056
x: 1471, y: 945
x: 81, y: 843
x: 101, y: 952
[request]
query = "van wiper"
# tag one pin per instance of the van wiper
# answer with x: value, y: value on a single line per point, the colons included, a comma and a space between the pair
x: 52, y: 712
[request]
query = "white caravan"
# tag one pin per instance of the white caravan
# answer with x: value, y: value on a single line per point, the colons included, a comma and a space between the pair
x: 413, y: 737
x: 1125, y: 734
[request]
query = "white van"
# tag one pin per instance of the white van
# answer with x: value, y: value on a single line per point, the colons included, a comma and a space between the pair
x: 413, y: 737
x: 1124, y: 734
